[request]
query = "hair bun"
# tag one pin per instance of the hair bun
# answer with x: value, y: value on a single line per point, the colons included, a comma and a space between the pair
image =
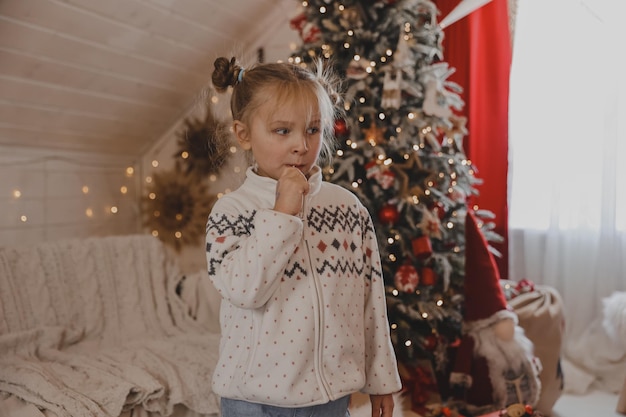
x: 225, y: 73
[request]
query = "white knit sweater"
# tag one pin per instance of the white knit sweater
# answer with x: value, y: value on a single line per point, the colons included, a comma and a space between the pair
x: 303, y: 316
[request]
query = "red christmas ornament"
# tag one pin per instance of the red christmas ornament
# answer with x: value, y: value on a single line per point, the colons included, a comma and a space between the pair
x: 457, y: 195
x: 372, y: 170
x: 406, y: 278
x: 386, y: 179
x: 341, y: 128
x: 298, y: 22
x: 439, y: 210
x: 429, y: 276
x: 455, y: 343
x: 430, y: 342
x: 422, y: 247
x: 311, y: 33
x: 388, y: 214
x: 307, y: 30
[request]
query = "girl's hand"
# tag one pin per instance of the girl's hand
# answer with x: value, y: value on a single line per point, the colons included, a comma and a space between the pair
x: 290, y: 190
x: 382, y: 405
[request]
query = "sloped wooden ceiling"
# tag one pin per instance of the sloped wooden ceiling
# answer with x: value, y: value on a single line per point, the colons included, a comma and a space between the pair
x: 112, y: 76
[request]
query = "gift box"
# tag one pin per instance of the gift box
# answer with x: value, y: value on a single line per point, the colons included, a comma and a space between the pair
x: 420, y: 383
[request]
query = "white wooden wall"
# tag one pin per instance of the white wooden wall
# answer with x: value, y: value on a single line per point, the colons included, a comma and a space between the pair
x: 48, y: 196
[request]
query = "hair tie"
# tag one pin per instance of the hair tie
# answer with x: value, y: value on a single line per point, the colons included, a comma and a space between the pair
x: 240, y: 75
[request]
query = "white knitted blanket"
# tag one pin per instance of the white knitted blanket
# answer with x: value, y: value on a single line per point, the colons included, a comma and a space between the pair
x: 93, y: 327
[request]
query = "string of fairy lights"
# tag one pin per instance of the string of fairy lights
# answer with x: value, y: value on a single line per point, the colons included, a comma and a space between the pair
x: 108, y: 190
x: 47, y: 193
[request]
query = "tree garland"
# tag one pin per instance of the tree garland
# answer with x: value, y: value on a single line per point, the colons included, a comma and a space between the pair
x: 204, y: 145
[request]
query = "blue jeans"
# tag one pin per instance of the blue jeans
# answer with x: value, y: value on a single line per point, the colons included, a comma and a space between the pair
x: 238, y: 408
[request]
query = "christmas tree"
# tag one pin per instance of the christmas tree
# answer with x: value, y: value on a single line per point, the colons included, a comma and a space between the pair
x: 401, y: 152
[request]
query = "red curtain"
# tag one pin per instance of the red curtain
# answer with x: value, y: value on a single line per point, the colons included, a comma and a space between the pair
x: 479, y: 47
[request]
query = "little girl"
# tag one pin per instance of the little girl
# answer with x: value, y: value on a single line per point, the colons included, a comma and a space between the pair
x: 295, y: 259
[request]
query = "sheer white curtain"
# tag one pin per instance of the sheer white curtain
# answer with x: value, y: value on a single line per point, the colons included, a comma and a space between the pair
x: 568, y: 152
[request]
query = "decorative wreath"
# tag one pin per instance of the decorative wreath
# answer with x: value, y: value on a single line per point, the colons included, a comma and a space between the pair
x: 176, y: 208
x: 204, y: 145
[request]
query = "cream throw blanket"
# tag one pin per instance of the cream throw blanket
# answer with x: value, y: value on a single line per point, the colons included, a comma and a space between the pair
x: 93, y: 327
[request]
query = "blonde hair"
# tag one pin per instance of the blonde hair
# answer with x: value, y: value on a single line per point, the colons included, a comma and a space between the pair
x: 251, y: 87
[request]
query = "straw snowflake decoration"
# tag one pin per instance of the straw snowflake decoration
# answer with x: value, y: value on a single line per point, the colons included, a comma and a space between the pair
x: 176, y: 208
x: 204, y: 145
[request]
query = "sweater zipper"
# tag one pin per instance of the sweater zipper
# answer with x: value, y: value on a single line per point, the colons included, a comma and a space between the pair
x: 318, y: 296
